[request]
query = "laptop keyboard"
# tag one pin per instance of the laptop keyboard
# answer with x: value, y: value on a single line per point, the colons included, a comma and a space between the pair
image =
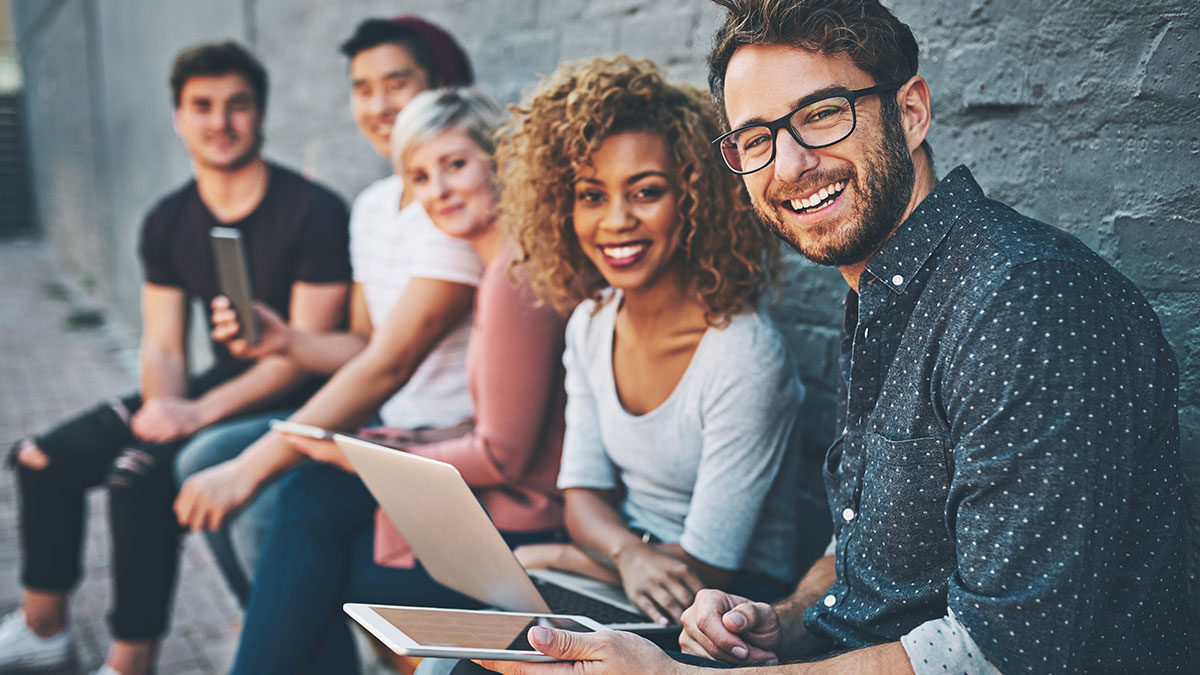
x: 566, y: 601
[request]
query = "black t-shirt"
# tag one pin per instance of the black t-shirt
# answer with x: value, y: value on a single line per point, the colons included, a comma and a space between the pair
x: 298, y: 232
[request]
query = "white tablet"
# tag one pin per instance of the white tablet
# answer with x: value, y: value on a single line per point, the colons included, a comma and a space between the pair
x: 301, y: 429
x: 459, y: 633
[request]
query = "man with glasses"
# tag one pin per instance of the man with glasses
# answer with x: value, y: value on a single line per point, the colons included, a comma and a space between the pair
x: 1006, y: 489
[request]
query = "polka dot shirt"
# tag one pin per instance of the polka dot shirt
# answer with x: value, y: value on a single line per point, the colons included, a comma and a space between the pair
x: 1007, y: 490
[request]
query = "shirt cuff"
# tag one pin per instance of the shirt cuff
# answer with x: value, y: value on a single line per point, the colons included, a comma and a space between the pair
x: 943, y: 645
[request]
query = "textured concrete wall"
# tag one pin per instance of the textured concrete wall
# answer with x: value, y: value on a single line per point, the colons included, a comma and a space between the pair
x: 99, y: 118
x: 1081, y: 113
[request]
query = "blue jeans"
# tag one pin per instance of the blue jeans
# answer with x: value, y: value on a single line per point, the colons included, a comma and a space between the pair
x: 235, y: 546
x: 319, y: 554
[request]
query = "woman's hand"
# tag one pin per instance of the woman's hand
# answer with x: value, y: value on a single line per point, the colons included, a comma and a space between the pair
x: 207, y: 498
x: 275, y: 336
x: 322, y: 451
x: 566, y: 557
x: 661, y: 585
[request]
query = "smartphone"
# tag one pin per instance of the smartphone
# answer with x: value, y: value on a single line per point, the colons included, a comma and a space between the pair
x: 234, y: 278
x: 301, y: 429
x: 462, y: 634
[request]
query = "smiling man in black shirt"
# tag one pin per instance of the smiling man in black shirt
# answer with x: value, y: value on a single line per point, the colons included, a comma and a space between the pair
x: 1006, y: 490
x: 296, y: 243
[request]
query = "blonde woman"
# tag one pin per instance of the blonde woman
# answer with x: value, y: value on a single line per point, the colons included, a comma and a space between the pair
x: 326, y: 544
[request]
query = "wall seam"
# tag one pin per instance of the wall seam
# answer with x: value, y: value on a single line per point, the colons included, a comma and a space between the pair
x: 100, y: 150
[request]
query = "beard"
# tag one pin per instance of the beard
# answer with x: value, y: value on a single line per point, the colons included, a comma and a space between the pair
x: 251, y: 153
x: 882, y: 189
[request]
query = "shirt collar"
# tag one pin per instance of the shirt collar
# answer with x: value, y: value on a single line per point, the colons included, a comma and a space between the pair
x: 909, y: 247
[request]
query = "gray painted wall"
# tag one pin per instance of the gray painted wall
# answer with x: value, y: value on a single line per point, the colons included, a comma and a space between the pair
x: 1081, y: 113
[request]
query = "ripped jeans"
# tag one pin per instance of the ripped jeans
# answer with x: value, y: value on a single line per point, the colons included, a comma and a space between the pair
x: 95, y: 447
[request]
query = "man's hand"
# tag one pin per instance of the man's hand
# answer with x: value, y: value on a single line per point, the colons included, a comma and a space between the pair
x: 275, y: 336
x: 208, y: 498
x: 730, y: 628
x: 660, y: 585
x: 322, y: 451
x: 167, y: 418
x: 607, y: 653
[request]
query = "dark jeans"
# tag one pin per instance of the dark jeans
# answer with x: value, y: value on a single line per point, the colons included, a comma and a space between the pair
x: 94, y: 447
x: 319, y: 553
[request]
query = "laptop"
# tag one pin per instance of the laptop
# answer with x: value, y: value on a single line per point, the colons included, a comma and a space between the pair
x: 451, y: 534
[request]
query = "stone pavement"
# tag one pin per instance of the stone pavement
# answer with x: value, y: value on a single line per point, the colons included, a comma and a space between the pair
x: 47, y: 371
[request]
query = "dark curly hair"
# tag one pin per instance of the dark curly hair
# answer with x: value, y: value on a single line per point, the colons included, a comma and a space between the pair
x: 869, y: 34
x: 728, y: 259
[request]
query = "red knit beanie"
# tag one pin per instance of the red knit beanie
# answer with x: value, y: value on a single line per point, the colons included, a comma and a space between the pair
x: 450, y: 59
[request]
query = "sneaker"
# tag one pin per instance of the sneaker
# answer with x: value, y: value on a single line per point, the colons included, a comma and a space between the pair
x: 21, y: 648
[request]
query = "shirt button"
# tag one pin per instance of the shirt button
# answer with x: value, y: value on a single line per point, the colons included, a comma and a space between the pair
x: 866, y: 331
x: 829, y: 601
x: 847, y: 514
x: 897, y: 280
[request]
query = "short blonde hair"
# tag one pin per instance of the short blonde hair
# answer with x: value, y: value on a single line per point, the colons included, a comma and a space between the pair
x: 729, y: 260
x: 432, y: 112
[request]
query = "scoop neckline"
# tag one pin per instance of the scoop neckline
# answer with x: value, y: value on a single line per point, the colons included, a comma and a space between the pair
x: 609, y: 342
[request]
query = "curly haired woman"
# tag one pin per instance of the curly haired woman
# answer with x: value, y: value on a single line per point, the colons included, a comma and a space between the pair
x: 682, y: 400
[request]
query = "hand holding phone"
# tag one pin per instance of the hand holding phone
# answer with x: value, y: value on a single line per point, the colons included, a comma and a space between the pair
x: 234, y: 278
x: 275, y: 336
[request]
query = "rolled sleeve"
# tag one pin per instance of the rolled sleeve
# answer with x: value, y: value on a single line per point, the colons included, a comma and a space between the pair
x: 941, y: 646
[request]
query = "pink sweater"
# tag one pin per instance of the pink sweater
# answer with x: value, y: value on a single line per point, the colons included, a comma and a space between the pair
x: 511, y: 457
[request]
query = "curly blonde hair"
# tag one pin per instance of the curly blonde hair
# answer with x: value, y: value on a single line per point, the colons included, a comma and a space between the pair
x: 729, y: 260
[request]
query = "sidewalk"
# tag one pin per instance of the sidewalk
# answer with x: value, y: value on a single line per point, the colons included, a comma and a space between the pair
x: 47, y: 371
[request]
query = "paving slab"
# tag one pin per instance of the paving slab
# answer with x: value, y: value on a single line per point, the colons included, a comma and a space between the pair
x: 48, y: 370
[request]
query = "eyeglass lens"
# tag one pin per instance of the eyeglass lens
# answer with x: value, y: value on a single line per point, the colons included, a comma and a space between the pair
x: 818, y: 124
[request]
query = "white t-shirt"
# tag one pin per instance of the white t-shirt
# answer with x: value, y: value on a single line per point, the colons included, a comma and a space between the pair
x: 388, y: 247
x: 714, y: 467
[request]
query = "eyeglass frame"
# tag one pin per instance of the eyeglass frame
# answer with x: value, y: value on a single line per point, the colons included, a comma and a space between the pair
x: 782, y: 122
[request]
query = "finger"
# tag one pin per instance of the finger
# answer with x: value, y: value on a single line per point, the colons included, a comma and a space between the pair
x: 748, y: 617
x: 566, y: 645
x: 504, y: 667
x: 211, y: 519
x: 711, y: 629
x: 224, y: 316
x: 189, y: 517
x: 693, y: 583
x: 646, y: 604
x: 760, y: 656
x: 519, y: 668
x: 666, y: 601
x: 685, y: 586
x: 303, y: 445
x: 219, y: 302
x: 265, y: 313
x: 678, y: 598
x: 224, y: 330
x: 698, y: 644
x: 183, y: 504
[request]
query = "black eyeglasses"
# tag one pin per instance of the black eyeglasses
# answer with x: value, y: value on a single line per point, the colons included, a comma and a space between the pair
x: 815, y: 124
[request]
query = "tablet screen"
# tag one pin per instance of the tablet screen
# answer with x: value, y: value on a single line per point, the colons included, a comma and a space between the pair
x: 471, y: 630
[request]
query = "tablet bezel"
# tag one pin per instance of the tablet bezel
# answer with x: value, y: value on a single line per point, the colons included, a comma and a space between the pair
x: 400, y: 643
